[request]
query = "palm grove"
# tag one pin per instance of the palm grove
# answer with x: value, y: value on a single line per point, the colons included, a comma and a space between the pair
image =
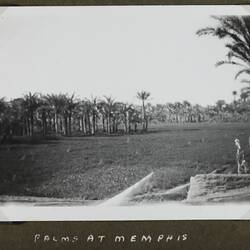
x: 64, y: 114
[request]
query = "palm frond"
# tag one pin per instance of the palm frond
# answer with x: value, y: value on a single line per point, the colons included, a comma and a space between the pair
x: 245, y: 81
x: 205, y: 31
x: 219, y: 63
x: 239, y: 50
x: 243, y: 71
x: 235, y: 25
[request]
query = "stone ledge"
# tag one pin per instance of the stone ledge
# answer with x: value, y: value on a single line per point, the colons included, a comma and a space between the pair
x: 219, y: 188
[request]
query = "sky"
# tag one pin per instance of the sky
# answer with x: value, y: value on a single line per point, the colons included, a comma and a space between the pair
x: 115, y: 51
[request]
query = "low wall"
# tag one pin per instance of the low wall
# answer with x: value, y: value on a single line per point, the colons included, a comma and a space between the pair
x: 219, y: 188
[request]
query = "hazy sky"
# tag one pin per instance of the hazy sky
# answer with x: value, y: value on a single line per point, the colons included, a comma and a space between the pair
x: 115, y: 51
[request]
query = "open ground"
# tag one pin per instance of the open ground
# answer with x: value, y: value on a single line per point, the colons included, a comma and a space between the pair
x: 98, y: 167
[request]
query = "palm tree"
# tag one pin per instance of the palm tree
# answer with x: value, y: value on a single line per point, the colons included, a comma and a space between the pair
x: 3, y: 115
x: 234, y: 95
x: 149, y: 115
x: 124, y: 111
x: 135, y: 116
x: 56, y: 105
x: 3, y: 107
x: 93, y: 104
x: 178, y: 108
x: 101, y: 106
x: 30, y: 103
x: 160, y: 112
x: 82, y: 113
x: 17, y: 116
x: 61, y: 106
x: 143, y: 96
x: 220, y: 105
x: 236, y: 30
x: 198, y: 111
x: 244, y: 96
x: 171, y: 112
x: 187, y: 107
x: 71, y: 104
x: 44, y: 113
x: 109, y: 108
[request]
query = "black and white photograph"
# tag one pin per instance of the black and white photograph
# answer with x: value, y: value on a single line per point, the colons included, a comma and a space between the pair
x: 125, y: 106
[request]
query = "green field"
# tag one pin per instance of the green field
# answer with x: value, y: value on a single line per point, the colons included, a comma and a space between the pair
x: 97, y: 167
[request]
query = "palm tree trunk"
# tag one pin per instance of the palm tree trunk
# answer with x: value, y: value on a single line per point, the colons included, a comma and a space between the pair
x: 69, y: 123
x: 84, y: 124
x: 103, y: 123
x: 28, y: 126
x: 56, y: 123
x: 109, y: 124
x: 44, y: 123
x: 143, y: 115
x: 146, y: 125
x: 80, y: 124
x: 31, y: 125
x: 92, y: 124
x: 24, y: 128
x: 96, y: 124
x: 135, y: 127
x: 65, y: 125
x: 50, y: 123
x: 88, y: 125
x: 113, y: 124
x: 127, y: 122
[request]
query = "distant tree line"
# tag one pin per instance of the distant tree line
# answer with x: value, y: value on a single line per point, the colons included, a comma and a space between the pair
x: 63, y: 114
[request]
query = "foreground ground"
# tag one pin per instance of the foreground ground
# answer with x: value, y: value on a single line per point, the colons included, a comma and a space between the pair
x: 98, y: 167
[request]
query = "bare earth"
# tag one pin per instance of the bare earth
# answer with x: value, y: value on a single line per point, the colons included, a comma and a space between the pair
x: 99, y: 167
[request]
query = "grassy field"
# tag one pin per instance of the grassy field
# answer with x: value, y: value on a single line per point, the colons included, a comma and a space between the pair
x: 100, y: 166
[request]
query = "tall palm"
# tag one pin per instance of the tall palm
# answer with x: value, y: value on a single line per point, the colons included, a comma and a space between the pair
x: 71, y: 104
x: 235, y: 30
x: 17, y: 116
x: 2, y: 104
x: 3, y: 115
x: 234, y: 95
x: 93, y: 104
x: 143, y: 96
x: 58, y: 103
x: 187, y: 108
x: 67, y: 105
x: 125, y: 110
x: 220, y: 105
x: 3, y: 107
x: 101, y: 106
x: 198, y: 112
x: 109, y: 109
x: 82, y: 113
x: 135, y: 116
x: 244, y: 96
x: 53, y: 101
x: 44, y: 113
x: 178, y: 107
x: 30, y: 103
x: 171, y: 111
